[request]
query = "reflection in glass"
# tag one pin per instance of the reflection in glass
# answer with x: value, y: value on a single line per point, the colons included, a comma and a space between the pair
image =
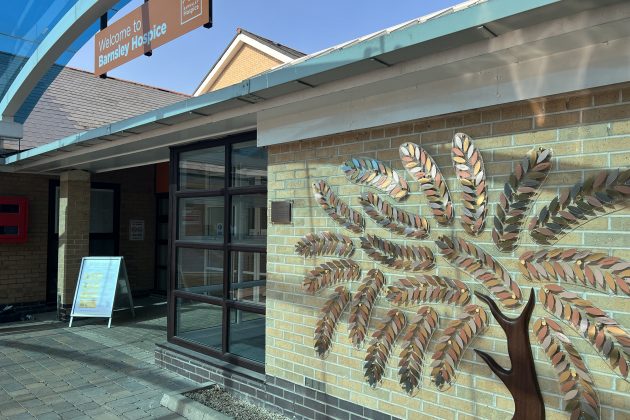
x: 202, y: 169
x: 201, y: 219
x: 101, y: 211
x: 200, y: 271
x: 248, y: 276
x: 249, y: 164
x: 249, y: 219
x: 247, y: 335
x: 198, y: 322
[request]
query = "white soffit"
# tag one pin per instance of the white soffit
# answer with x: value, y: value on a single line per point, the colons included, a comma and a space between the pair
x: 578, y: 52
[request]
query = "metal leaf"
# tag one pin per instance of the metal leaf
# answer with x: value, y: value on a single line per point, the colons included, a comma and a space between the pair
x: 533, y: 172
x: 324, y: 243
x: 336, y: 208
x: 599, y: 195
x: 426, y: 288
x: 399, y: 257
x: 327, y: 323
x: 471, y: 173
x: 574, y: 379
x: 482, y: 267
x: 601, y: 331
x: 593, y: 270
x: 420, y: 165
x: 375, y: 174
x: 362, y: 305
x: 394, y: 219
x: 450, y: 348
x: 416, y: 341
x: 383, y: 341
x: 330, y: 273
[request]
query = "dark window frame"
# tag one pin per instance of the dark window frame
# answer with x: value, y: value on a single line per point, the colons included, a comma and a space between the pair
x: 225, y: 302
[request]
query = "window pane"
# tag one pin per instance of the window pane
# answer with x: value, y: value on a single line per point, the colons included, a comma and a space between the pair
x: 202, y: 169
x: 249, y: 219
x: 248, y: 276
x: 249, y: 164
x: 200, y: 271
x: 247, y: 335
x: 201, y: 219
x: 101, y: 211
x: 198, y: 322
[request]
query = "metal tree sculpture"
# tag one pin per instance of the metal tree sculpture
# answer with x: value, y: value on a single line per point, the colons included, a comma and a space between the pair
x: 602, y: 194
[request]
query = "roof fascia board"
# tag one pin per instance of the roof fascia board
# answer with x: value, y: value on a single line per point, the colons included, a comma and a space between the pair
x: 574, y: 70
x: 471, y: 17
x: 240, y: 40
x: 83, y: 14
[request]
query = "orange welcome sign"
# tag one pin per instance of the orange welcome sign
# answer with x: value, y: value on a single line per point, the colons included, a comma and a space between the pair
x: 144, y: 29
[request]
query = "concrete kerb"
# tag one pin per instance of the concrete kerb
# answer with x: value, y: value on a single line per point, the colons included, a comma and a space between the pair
x: 192, y: 410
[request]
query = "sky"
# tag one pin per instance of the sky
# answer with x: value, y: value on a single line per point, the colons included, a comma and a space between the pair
x: 305, y: 26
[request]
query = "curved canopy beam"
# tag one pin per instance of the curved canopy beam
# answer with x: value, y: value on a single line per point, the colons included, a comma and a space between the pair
x: 83, y: 14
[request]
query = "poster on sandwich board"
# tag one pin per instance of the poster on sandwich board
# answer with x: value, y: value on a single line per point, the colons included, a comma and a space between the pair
x: 100, y: 278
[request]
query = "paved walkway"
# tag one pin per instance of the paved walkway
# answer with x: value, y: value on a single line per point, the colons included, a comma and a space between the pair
x: 49, y: 371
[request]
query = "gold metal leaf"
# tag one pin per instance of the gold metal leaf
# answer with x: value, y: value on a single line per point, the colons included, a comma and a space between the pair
x: 482, y: 267
x: 517, y: 196
x: 468, y: 165
x: 420, y: 165
x: 394, y: 219
x: 375, y: 174
x: 337, y: 209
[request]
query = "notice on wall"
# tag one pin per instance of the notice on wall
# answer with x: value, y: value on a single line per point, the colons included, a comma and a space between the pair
x: 136, y: 230
x: 99, y: 280
x: 144, y: 29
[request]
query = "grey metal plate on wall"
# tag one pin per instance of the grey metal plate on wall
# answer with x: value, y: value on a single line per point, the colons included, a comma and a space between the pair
x: 281, y: 212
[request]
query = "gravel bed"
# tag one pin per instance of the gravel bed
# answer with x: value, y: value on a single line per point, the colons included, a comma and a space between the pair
x: 216, y: 398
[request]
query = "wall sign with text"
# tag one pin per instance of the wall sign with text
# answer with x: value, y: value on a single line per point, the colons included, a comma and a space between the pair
x: 149, y: 26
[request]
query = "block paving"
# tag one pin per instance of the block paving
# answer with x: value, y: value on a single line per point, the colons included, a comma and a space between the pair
x: 88, y: 371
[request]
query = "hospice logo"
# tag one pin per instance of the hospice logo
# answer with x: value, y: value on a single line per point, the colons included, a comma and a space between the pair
x: 190, y: 9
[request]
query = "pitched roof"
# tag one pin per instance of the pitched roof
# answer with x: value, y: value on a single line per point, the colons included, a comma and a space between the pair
x: 272, y: 54
x: 272, y: 44
x: 67, y: 101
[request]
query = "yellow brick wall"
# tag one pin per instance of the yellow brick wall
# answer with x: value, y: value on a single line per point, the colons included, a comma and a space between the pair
x: 588, y: 131
x: 247, y: 62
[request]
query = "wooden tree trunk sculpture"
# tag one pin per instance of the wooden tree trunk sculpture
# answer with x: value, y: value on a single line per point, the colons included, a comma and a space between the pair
x: 520, y: 379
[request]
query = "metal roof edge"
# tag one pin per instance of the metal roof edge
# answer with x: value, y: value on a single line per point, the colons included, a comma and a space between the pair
x: 439, y: 26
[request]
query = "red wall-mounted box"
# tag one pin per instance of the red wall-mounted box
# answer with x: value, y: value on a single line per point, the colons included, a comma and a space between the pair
x: 13, y: 220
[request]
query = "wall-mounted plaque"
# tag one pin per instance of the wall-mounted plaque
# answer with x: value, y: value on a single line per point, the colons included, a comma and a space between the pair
x: 281, y: 212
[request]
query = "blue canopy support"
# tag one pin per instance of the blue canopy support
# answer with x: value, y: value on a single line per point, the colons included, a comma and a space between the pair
x: 79, y: 18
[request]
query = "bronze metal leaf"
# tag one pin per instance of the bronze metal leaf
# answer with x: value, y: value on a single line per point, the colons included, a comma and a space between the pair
x: 574, y: 379
x: 383, y: 340
x: 482, y: 267
x: 517, y: 196
x: 416, y: 341
x: 330, y: 273
x: 605, y: 334
x: 468, y: 165
x: 593, y: 270
x: 337, y: 209
x: 599, y: 195
x: 362, y: 304
x: 420, y: 165
x: 327, y: 323
x: 451, y: 346
x: 324, y: 243
x: 394, y: 219
x: 399, y: 257
x: 375, y: 174
x: 426, y: 289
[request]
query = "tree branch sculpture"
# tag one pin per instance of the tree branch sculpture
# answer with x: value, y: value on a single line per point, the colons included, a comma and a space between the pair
x: 520, y: 379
